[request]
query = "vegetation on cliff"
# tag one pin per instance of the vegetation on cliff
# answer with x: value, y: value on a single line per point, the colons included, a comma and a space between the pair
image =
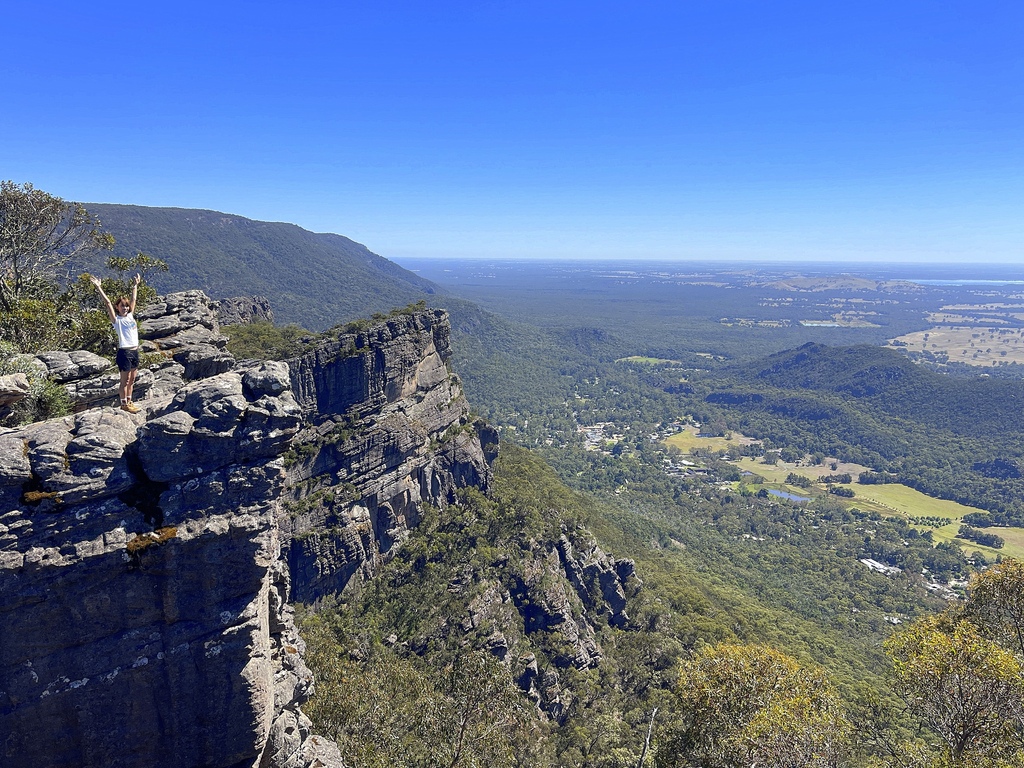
x: 394, y: 646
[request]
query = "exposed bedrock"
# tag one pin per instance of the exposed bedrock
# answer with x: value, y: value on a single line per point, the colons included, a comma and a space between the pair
x: 389, y: 430
x: 144, y: 558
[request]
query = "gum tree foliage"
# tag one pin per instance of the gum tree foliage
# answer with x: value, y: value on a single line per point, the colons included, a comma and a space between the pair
x: 747, y: 705
x: 996, y: 604
x: 39, y: 234
x: 385, y: 710
x: 961, y: 673
x: 966, y: 688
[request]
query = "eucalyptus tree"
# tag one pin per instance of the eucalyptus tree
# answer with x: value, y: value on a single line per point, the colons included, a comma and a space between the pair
x: 39, y: 234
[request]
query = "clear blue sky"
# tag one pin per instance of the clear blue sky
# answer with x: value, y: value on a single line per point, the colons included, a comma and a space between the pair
x: 709, y: 129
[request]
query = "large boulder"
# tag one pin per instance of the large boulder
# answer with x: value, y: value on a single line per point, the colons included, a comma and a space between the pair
x: 243, y: 310
x: 184, y: 327
x: 14, y: 387
x: 64, y: 367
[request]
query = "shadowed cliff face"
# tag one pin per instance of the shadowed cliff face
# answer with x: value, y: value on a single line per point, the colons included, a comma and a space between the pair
x: 388, y: 431
x: 144, y: 558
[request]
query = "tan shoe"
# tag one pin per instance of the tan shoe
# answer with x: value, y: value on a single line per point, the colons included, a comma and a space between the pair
x: 130, y: 407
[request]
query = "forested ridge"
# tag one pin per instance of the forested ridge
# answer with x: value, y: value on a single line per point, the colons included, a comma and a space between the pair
x: 312, y: 279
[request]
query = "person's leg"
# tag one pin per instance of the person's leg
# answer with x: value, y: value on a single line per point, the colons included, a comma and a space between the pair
x: 127, y: 363
x: 130, y: 384
x: 124, y: 389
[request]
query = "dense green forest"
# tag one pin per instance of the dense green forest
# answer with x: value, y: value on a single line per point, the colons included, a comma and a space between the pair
x: 312, y: 279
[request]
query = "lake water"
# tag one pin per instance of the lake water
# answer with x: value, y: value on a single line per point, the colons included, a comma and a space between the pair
x: 787, y: 495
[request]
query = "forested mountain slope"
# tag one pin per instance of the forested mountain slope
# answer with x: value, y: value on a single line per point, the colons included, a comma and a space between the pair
x: 535, y: 576
x: 887, y: 380
x: 311, y: 279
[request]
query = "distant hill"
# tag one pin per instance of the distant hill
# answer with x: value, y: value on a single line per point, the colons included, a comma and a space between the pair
x: 315, y: 280
x: 980, y: 407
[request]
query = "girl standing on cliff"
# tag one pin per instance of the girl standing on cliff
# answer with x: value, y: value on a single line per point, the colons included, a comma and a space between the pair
x: 127, y: 329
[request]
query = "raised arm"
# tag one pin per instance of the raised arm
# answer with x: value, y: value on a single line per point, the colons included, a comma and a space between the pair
x: 110, y: 307
x: 135, y: 290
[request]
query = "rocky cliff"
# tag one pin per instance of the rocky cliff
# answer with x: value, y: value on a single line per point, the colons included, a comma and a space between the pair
x: 387, y: 430
x: 146, y: 561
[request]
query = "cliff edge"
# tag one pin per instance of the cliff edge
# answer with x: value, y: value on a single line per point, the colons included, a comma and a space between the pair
x: 147, y: 561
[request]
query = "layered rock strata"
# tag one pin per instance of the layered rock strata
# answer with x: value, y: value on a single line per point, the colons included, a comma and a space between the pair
x: 146, y: 561
x: 137, y: 630
x: 184, y: 327
x: 388, y: 431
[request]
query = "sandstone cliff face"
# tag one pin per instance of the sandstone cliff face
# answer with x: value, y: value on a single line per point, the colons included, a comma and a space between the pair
x: 389, y: 431
x: 146, y: 560
x: 547, y: 600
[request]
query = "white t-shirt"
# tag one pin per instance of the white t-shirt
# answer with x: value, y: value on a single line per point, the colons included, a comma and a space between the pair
x: 127, y: 331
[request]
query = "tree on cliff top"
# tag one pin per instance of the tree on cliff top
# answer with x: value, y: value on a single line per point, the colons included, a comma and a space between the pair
x: 39, y: 234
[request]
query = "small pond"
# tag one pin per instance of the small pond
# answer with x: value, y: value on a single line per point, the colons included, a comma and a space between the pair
x: 787, y: 495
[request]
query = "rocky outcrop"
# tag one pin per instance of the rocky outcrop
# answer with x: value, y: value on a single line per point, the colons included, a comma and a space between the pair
x: 243, y: 310
x: 14, y: 387
x: 184, y: 327
x: 599, y: 579
x: 147, y: 560
x: 389, y: 430
x: 180, y: 336
x: 137, y: 630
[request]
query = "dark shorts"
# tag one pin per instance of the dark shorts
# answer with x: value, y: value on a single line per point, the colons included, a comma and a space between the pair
x: 127, y: 359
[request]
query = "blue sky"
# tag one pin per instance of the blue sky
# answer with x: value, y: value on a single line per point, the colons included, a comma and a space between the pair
x: 867, y: 131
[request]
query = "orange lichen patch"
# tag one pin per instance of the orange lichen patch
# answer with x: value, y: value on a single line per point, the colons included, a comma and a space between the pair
x: 146, y: 540
x: 35, y: 497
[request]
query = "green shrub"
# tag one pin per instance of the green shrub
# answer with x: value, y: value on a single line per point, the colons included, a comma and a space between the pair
x: 265, y: 341
x: 46, y: 399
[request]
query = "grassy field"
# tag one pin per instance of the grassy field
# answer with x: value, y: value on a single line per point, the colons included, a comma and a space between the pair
x: 911, y: 503
x: 974, y: 345
x: 689, y: 439
x: 777, y: 473
x: 640, y: 359
x: 889, y: 499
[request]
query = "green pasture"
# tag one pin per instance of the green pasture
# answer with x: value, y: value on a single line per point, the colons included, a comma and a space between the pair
x: 906, y: 501
x: 641, y: 360
x: 892, y: 499
x: 777, y: 473
x: 688, y: 439
x: 885, y: 499
x: 900, y: 499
